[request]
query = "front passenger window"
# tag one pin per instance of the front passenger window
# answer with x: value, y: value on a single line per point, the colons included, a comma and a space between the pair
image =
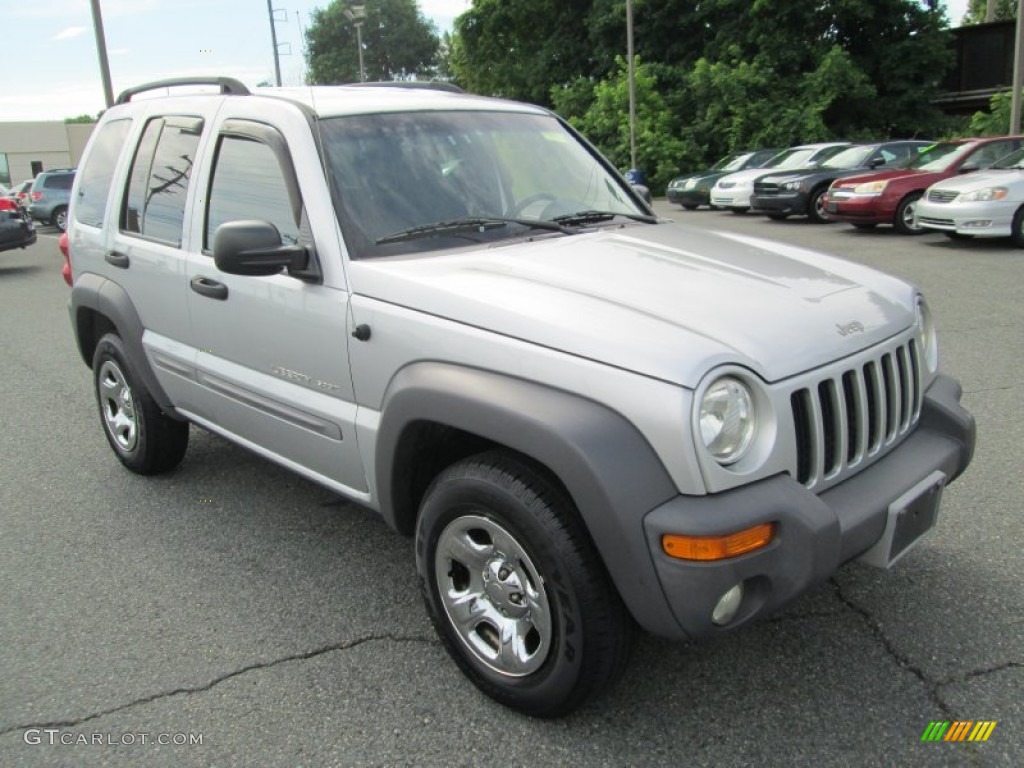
x: 247, y: 183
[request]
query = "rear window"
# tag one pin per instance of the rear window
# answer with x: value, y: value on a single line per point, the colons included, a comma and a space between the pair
x: 98, y: 172
x: 63, y: 181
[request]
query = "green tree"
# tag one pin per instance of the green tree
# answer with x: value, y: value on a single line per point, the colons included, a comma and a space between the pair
x: 83, y: 118
x: 995, y: 122
x: 398, y: 43
x: 977, y: 10
x: 606, y: 123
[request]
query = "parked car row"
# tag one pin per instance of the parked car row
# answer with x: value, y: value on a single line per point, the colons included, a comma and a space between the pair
x: 913, y: 185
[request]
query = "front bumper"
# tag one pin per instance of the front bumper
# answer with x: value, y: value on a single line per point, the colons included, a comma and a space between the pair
x: 814, y: 534
x: 794, y: 203
x: 696, y: 196
x: 980, y: 219
x: 732, y: 197
x: 873, y: 209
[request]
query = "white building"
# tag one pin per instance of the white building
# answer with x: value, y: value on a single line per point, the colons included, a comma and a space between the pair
x: 31, y: 147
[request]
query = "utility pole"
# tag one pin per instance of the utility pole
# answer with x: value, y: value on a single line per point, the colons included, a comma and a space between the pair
x: 631, y: 75
x: 1015, y: 97
x: 273, y: 39
x: 101, y: 50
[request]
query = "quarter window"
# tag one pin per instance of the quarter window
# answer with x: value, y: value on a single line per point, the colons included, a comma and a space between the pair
x: 159, y: 180
x: 248, y: 183
x: 98, y: 172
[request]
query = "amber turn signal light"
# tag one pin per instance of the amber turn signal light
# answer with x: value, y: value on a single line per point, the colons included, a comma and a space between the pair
x: 718, y: 547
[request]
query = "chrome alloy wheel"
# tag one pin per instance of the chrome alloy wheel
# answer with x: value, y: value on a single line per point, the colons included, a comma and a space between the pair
x: 493, y: 595
x: 117, y: 406
x: 909, y: 217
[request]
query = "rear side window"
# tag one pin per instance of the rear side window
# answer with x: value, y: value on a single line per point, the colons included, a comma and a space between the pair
x: 248, y: 183
x: 158, y: 183
x: 98, y: 172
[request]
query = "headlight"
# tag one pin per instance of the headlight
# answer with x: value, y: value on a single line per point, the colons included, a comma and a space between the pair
x: 792, y: 185
x: 870, y: 188
x: 728, y: 420
x: 989, y: 193
x: 929, y: 339
x: 690, y: 184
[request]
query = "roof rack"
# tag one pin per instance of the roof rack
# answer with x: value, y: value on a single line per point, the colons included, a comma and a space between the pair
x: 428, y: 85
x: 228, y: 86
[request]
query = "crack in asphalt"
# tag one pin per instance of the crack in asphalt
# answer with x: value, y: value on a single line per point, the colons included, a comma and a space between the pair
x: 974, y: 673
x: 991, y: 389
x: 802, y: 616
x: 430, y: 640
x: 931, y: 686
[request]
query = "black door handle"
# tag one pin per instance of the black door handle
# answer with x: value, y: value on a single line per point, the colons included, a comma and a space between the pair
x: 117, y: 258
x: 210, y: 288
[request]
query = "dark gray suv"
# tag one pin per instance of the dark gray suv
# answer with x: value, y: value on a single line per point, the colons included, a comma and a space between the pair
x: 51, y: 192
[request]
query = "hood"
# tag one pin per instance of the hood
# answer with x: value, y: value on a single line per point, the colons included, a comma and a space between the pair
x: 980, y: 179
x: 815, y: 174
x: 664, y: 300
x: 748, y: 176
x: 919, y: 178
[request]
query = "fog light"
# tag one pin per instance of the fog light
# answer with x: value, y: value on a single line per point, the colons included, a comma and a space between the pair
x: 728, y: 604
x: 977, y: 223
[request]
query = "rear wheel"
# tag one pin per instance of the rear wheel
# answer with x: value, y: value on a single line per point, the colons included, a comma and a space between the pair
x: 515, y: 588
x: 144, y: 439
x: 59, y: 219
x: 690, y: 206
x: 905, y: 222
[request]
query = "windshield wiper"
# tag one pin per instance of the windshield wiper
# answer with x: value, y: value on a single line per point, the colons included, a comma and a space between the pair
x: 596, y: 217
x: 469, y: 224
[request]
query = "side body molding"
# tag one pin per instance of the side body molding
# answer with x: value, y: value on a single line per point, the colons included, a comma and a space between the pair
x: 96, y: 293
x: 609, y: 469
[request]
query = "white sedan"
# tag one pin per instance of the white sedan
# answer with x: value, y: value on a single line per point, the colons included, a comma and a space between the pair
x: 988, y: 203
x: 734, y: 191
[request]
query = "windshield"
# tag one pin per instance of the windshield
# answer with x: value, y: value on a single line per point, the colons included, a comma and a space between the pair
x: 393, y: 173
x: 737, y: 162
x: 791, y: 158
x: 1013, y: 161
x: 851, y: 157
x: 939, y: 157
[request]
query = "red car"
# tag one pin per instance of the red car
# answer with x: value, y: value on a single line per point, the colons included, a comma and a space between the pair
x: 890, y: 197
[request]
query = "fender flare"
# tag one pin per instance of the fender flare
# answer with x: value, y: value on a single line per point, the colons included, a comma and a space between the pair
x: 609, y: 469
x: 110, y: 300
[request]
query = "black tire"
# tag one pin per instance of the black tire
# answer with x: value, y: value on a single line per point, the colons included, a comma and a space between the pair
x: 144, y: 439
x: 904, y: 220
x: 865, y: 224
x: 494, y: 523
x: 59, y: 218
x: 816, y: 208
x: 1017, y: 228
x: 778, y: 216
x: 690, y: 206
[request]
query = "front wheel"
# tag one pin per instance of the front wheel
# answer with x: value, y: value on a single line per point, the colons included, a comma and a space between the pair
x: 1017, y: 228
x: 690, y: 206
x: 515, y: 588
x: 816, y: 206
x: 905, y: 221
x: 145, y: 439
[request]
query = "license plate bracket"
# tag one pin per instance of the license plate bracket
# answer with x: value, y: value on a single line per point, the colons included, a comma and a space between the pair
x: 910, y: 517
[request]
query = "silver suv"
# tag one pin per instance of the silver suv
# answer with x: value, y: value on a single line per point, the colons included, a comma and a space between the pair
x: 454, y: 311
x: 50, y: 195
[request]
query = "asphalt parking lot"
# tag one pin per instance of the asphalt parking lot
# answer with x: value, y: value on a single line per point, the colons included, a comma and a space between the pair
x: 234, y: 603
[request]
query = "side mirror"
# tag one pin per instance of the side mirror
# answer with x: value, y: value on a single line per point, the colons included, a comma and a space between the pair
x: 254, y: 248
x: 969, y: 167
x: 876, y: 162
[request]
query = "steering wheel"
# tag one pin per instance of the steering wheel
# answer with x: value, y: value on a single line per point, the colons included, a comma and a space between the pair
x: 526, y: 202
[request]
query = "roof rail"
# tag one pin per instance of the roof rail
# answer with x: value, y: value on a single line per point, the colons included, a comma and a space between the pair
x: 428, y: 85
x: 228, y: 86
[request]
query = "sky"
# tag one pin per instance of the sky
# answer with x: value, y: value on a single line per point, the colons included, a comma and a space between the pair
x: 53, y: 70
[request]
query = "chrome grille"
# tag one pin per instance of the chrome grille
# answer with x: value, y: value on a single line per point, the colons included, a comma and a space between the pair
x: 766, y: 188
x: 942, y: 195
x: 852, y: 416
